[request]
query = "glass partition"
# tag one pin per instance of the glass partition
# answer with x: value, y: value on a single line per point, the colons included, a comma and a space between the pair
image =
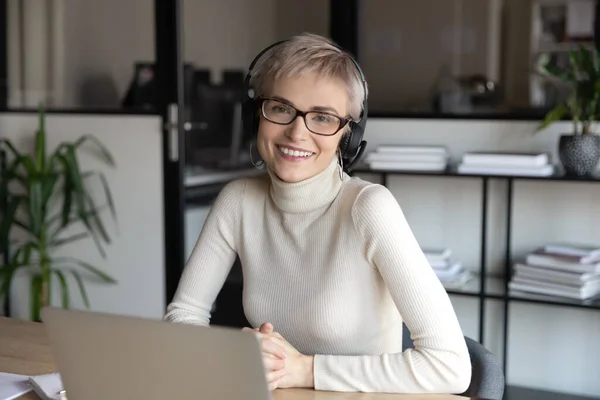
x: 80, y: 55
x: 220, y: 39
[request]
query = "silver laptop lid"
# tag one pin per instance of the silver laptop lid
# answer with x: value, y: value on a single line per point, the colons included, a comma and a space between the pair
x: 102, y: 356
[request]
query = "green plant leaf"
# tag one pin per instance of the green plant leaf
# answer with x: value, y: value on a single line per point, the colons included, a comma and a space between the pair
x: 596, y: 61
x: 82, y: 290
x: 36, y: 297
x: 95, y: 217
x: 4, y: 176
x: 586, y: 61
x: 575, y: 61
x: 22, y: 255
x: 64, y: 287
x: 560, y: 73
x: 36, y: 211
x: 11, y: 147
x: 7, y: 273
x: 67, y: 240
x: 5, y: 281
x: 40, y: 146
x: 48, y: 185
x: 103, y: 150
x: 556, y: 114
x: 70, y: 220
x: 29, y: 165
x: 7, y: 222
x: 67, y: 190
x: 22, y: 225
x: 80, y: 195
x: 102, y: 275
x: 77, y: 181
x: 107, y: 192
x: 96, y: 240
x: 109, y: 198
x: 75, y: 175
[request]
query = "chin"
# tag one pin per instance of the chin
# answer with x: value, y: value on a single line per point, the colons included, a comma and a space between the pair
x: 291, y: 175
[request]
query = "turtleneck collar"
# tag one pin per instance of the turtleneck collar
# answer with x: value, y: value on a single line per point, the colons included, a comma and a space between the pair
x: 309, y: 194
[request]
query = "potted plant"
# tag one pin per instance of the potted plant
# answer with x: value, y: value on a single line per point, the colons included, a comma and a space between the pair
x: 49, y: 204
x: 579, y: 150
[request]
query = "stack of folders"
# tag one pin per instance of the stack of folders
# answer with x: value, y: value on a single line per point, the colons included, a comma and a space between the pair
x: 449, y: 271
x: 559, y: 269
x: 499, y: 163
x: 408, y: 158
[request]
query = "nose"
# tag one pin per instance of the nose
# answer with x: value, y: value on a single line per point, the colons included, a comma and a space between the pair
x: 297, y: 130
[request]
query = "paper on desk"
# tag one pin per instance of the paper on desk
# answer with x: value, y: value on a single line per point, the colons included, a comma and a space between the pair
x: 13, y: 385
x: 47, y: 386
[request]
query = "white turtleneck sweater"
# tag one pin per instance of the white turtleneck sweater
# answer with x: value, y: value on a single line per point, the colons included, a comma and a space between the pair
x: 332, y: 263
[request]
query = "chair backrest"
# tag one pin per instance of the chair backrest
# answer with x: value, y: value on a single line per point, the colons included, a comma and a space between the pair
x: 487, y: 378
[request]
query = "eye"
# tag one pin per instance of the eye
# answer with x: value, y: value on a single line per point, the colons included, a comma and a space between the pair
x: 324, y: 119
x: 280, y: 109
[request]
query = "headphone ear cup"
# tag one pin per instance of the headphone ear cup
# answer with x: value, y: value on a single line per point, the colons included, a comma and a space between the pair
x: 344, y: 143
x: 352, y: 142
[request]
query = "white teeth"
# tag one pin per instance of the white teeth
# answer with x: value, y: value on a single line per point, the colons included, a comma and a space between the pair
x: 294, y: 153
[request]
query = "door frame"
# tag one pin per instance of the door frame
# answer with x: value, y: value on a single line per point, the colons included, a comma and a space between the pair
x: 169, y: 60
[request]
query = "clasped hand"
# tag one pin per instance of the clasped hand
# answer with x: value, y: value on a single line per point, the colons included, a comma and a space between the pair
x: 285, y: 367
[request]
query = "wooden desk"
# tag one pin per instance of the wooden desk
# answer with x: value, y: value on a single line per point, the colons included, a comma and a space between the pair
x: 25, y: 349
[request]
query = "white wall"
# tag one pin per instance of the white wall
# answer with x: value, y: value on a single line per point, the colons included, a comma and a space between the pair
x: 549, y: 346
x: 135, y: 258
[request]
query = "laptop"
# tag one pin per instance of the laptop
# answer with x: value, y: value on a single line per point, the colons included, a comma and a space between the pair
x: 103, y: 356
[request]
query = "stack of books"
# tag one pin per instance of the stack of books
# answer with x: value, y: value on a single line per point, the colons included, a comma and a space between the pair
x: 499, y: 163
x: 559, y: 269
x: 449, y: 271
x: 408, y: 158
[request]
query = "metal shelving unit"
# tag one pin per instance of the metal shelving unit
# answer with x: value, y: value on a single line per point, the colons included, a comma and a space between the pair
x: 496, y: 288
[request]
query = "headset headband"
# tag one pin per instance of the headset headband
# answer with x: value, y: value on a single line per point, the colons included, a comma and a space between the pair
x: 263, y: 51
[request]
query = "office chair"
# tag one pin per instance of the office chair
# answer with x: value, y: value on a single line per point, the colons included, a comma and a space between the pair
x: 487, y: 377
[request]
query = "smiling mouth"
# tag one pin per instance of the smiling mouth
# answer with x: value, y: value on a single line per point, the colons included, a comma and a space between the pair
x: 294, y: 153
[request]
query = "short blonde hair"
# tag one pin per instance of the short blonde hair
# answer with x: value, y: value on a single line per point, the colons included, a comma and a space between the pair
x: 304, y: 54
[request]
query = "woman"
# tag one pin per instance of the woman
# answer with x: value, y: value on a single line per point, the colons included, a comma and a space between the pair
x: 331, y: 267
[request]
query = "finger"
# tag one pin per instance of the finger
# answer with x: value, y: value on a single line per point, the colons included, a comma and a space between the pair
x: 273, y: 364
x: 275, y: 384
x: 275, y: 376
x: 266, y: 328
x: 277, y: 335
x: 272, y: 348
x: 247, y: 329
x: 278, y: 340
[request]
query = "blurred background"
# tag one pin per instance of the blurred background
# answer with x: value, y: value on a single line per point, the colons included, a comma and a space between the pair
x: 160, y: 84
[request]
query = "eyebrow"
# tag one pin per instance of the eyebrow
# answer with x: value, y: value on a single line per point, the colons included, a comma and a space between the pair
x: 315, y: 108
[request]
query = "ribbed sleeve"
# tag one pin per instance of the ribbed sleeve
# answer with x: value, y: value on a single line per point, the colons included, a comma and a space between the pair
x: 439, y: 362
x: 210, y: 261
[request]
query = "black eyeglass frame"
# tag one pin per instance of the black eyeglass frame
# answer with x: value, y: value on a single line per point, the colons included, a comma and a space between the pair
x: 261, y: 101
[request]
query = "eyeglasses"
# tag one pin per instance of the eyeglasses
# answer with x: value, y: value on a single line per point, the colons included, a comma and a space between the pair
x: 318, y: 122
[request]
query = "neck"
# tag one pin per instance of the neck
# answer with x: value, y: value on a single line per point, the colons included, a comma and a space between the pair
x: 309, y: 194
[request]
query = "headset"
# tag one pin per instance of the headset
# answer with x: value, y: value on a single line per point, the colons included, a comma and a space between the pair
x: 351, y: 147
